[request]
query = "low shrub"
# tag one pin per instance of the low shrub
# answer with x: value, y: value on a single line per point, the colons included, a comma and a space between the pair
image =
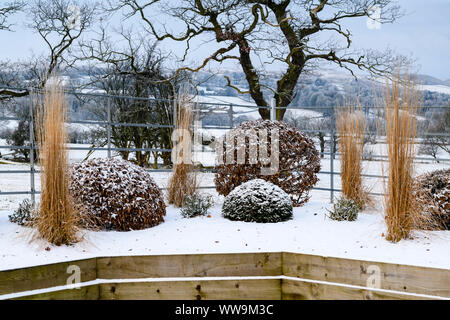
x: 24, y: 215
x: 257, y: 201
x: 298, y: 159
x: 196, y: 205
x: 433, y: 193
x: 344, y: 210
x: 117, y: 195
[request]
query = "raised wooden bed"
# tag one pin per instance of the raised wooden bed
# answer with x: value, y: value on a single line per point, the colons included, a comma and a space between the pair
x: 227, y: 276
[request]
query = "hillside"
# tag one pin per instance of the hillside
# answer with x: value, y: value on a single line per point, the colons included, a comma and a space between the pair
x: 325, y: 88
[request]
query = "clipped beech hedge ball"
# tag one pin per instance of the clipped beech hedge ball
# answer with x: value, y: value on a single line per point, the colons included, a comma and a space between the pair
x: 116, y: 194
x: 433, y: 190
x: 257, y: 201
x: 299, y: 161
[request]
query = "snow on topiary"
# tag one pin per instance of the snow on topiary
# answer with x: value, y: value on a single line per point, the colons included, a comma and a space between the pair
x: 257, y: 201
x: 117, y: 194
x: 433, y: 192
x: 298, y: 160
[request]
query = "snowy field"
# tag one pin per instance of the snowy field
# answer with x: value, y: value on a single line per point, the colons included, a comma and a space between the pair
x: 248, y: 108
x: 310, y: 231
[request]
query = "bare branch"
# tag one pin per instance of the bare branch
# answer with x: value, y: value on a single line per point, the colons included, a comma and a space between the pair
x: 60, y: 23
x: 9, y: 9
x: 275, y: 31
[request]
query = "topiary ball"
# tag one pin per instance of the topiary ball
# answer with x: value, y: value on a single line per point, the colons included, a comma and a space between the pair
x: 116, y: 194
x: 257, y: 201
x: 433, y: 193
x: 298, y: 160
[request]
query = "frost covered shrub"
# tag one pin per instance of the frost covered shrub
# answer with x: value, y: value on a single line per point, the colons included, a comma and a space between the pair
x: 298, y: 165
x: 344, y: 210
x: 196, y: 205
x: 257, y: 201
x: 117, y: 194
x: 433, y: 192
x: 23, y: 216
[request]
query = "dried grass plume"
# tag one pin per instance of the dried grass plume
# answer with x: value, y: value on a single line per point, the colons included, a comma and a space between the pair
x: 350, y: 124
x: 58, y: 220
x: 402, y: 210
x: 183, y: 181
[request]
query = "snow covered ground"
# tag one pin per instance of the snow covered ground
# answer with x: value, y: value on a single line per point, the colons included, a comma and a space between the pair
x: 310, y: 231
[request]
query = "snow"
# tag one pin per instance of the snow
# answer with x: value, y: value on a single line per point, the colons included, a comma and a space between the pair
x: 225, y: 100
x: 74, y: 155
x: 305, y: 113
x: 9, y: 124
x: 436, y: 88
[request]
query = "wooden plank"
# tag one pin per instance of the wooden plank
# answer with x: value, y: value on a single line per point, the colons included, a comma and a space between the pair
x: 260, y: 289
x: 301, y: 290
x: 44, y: 276
x: 404, y: 278
x: 199, y: 265
x: 84, y: 293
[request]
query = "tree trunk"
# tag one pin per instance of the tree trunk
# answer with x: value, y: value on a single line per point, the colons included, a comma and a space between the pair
x: 322, y: 144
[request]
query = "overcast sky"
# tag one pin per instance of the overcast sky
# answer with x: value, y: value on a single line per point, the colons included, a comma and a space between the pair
x: 423, y: 33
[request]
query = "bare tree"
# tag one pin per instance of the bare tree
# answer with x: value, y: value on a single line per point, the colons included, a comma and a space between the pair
x: 287, y: 32
x: 60, y: 24
x: 6, y: 11
x: 436, y: 138
x: 6, y: 67
x: 135, y: 70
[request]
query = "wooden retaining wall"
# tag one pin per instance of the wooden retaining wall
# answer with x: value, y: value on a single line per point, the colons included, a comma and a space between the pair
x: 258, y: 276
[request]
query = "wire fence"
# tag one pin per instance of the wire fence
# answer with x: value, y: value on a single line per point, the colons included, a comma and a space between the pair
x: 115, y: 112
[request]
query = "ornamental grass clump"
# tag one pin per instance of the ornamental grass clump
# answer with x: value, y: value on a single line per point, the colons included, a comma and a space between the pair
x: 183, y: 181
x: 351, y: 128
x: 402, y: 210
x: 58, y: 219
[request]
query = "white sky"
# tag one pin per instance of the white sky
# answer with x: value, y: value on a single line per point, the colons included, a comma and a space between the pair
x: 423, y: 33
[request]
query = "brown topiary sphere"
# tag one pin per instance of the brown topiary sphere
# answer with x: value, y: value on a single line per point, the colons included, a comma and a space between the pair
x: 116, y: 194
x: 299, y: 160
x: 433, y: 192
